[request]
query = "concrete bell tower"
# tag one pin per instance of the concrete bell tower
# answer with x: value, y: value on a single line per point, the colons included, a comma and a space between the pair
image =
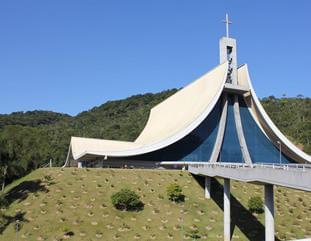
x: 227, y: 52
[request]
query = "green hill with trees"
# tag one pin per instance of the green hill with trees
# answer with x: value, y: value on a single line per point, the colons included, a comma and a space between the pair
x: 30, y: 139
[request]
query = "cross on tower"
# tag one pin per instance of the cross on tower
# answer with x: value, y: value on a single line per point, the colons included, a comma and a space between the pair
x: 227, y: 24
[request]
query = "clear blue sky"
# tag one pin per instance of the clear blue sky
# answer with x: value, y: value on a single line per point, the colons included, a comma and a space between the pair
x: 69, y: 56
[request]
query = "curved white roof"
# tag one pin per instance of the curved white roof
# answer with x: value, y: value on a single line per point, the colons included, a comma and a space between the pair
x: 180, y: 114
x: 168, y: 121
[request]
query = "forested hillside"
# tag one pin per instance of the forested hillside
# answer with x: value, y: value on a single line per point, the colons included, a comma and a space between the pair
x: 27, y: 140
x: 31, y: 118
x: 30, y: 139
x: 293, y: 117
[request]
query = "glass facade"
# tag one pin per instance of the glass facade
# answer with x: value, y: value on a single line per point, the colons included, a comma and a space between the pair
x: 260, y: 148
x: 206, y: 137
x: 230, y: 150
x: 198, y: 145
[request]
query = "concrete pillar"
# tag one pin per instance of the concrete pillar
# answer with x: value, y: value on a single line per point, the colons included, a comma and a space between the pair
x: 227, y: 226
x: 269, y: 212
x: 80, y: 164
x: 207, y: 187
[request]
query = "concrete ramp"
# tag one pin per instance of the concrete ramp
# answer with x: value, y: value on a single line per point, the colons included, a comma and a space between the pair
x: 297, y: 176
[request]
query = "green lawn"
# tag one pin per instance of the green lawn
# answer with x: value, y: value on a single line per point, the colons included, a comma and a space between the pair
x: 77, y: 201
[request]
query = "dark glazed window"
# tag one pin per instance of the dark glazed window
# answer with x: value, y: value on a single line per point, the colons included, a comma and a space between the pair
x: 230, y: 150
x: 260, y: 148
x: 196, y: 146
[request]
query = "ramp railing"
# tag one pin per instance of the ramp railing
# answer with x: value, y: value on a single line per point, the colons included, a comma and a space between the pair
x: 291, y: 167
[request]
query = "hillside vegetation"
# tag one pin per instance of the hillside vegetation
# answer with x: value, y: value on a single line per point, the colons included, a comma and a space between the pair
x: 75, y: 204
x: 30, y: 139
x: 293, y: 117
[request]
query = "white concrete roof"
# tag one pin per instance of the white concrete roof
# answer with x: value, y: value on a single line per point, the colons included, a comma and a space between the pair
x: 168, y: 121
x: 181, y: 113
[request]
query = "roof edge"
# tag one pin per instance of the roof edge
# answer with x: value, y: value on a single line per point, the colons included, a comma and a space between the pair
x: 270, y: 125
x: 170, y: 140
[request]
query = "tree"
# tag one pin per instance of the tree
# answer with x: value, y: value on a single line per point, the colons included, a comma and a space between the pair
x: 3, y: 201
x: 5, y: 169
x: 255, y: 204
x: 127, y: 199
x: 3, y: 163
x: 174, y: 193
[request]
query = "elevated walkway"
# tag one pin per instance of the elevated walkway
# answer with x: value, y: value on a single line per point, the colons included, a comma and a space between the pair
x: 297, y: 176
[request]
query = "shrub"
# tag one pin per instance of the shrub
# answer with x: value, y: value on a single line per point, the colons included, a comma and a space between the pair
x: 47, y: 178
x: 160, y: 196
x: 194, y: 234
x: 283, y: 236
x: 127, y: 199
x: 2, y: 221
x: 174, y: 193
x: 255, y: 204
x: 3, y: 202
x: 69, y: 234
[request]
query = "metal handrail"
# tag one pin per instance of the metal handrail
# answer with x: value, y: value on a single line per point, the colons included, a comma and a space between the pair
x: 44, y: 165
x: 303, y: 167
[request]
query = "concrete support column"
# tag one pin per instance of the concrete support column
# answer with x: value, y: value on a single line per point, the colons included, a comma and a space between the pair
x: 80, y: 164
x: 207, y: 187
x: 227, y: 226
x: 269, y: 212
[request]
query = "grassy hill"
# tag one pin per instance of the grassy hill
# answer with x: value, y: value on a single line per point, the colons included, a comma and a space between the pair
x: 52, y: 202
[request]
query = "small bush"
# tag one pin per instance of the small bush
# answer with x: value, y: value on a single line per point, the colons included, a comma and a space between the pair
x: 127, y: 199
x: 69, y: 233
x: 174, y: 193
x: 3, y: 202
x: 160, y: 196
x: 255, y: 204
x: 283, y: 236
x: 194, y: 234
x: 48, y: 179
x: 2, y: 220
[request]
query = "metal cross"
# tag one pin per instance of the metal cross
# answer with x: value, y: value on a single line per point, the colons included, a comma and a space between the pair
x: 227, y: 24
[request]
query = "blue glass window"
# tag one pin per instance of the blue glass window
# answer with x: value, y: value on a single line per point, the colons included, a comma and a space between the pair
x: 260, y: 148
x: 230, y: 150
x: 196, y: 146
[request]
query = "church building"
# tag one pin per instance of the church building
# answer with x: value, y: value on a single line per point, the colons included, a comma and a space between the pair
x: 216, y: 118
